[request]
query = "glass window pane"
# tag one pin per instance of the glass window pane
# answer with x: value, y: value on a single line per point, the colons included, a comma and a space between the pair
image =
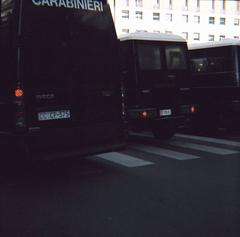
x: 199, y: 65
x: 176, y: 57
x: 149, y: 57
x: 220, y: 59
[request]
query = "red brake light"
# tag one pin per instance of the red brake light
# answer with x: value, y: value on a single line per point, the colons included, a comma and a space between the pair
x: 18, y: 92
x: 144, y: 114
x: 193, y: 109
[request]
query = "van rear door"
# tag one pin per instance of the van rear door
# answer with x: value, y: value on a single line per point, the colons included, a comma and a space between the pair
x: 69, y: 70
x: 162, y: 68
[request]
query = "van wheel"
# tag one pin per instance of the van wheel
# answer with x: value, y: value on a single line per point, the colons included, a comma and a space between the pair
x: 163, y: 134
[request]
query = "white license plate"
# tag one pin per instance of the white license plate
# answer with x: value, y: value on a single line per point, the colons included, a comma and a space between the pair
x: 54, y: 115
x: 165, y: 112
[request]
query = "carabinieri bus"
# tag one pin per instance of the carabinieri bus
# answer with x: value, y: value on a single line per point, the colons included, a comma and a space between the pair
x: 216, y: 83
x: 156, y: 79
x: 59, y: 78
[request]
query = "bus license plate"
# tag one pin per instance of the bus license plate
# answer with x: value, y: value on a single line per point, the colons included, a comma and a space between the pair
x: 165, y: 112
x: 53, y: 115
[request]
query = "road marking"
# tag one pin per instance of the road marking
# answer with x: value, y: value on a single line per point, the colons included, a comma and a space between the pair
x: 165, y: 152
x: 210, y: 139
x: 197, y: 138
x: 141, y: 134
x: 125, y: 160
x: 210, y: 149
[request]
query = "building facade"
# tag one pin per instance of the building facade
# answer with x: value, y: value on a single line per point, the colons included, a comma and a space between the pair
x: 195, y: 20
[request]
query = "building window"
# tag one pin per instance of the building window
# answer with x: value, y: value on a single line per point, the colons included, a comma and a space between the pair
x: 141, y: 30
x: 125, y: 3
x: 168, y: 17
x: 198, y: 4
x: 236, y: 37
x: 210, y: 37
x: 156, y: 31
x: 125, y: 14
x: 236, y: 22
x: 156, y: 4
x: 185, y: 18
x: 211, y: 20
x: 213, y: 4
x: 139, y: 15
x: 156, y: 16
x: 196, y: 36
x: 138, y: 3
x: 125, y: 31
x: 197, y: 19
x: 186, y: 4
x: 221, y: 37
x: 185, y: 35
x: 168, y: 32
x: 222, y: 20
x: 223, y: 5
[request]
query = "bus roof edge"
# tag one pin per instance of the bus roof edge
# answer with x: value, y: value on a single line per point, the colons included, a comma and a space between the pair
x: 151, y: 37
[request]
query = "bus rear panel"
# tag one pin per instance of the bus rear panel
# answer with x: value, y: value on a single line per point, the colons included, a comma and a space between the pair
x: 215, y: 76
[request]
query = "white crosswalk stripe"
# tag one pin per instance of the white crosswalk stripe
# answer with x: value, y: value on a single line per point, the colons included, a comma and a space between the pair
x: 210, y: 146
x: 142, y: 134
x: 210, y: 149
x: 210, y: 140
x: 165, y: 152
x: 124, y: 160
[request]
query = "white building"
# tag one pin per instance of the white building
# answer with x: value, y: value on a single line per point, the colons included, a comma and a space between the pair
x: 195, y: 20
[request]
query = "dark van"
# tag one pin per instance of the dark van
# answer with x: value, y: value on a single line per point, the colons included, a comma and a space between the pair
x: 59, y: 77
x: 215, y: 70
x: 156, y: 79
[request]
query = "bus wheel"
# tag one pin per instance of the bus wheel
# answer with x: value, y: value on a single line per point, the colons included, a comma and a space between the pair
x: 163, y: 134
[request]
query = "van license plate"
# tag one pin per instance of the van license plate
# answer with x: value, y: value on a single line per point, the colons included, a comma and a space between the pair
x: 53, y: 115
x: 165, y: 112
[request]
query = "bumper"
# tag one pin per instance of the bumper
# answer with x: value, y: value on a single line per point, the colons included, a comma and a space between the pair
x: 171, y: 122
x: 222, y: 114
x: 57, y: 143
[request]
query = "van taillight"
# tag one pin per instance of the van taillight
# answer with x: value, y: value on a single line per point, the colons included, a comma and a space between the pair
x: 19, y: 92
x: 20, y: 121
x: 193, y: 109
x: 145, y: 114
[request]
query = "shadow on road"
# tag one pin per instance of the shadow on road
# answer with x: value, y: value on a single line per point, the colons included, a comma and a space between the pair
x: 47, y: 173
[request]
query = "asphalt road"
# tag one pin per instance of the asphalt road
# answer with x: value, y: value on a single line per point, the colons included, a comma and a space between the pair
x: 187, y: 186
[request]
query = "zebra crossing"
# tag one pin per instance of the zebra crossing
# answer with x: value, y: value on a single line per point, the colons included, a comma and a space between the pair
x: 125, y: 160
x: 171, y: 149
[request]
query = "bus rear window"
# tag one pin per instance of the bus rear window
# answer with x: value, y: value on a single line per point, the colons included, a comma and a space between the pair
x: 199, y: 65
x: 176, y: 57
x: 218, y: 64
x: 149, y: 57
x: 214, y: 60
